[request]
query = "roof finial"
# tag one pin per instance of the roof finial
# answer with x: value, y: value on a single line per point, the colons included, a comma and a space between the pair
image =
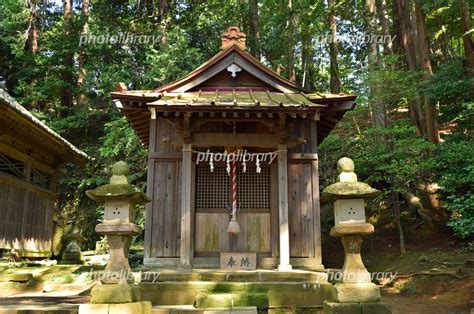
x: 233, y: 36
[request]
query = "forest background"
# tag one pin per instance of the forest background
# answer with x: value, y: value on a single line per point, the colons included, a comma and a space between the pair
x: 410, y: 134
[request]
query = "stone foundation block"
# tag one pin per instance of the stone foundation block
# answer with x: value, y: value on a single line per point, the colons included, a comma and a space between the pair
x: 116, y: 293
x: 217, y: 300
x: 355, y: 292
x: 94, y: 308
x: 143, y: 307
x: 231, y: 300
x: 341, y: 308
x: 376, y: 308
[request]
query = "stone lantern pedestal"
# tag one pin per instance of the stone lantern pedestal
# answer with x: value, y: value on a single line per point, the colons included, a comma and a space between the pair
x: 355, y: 290
x: 117, y: 293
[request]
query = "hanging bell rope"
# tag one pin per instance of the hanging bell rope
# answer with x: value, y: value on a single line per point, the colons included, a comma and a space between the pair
x: 234, y: 227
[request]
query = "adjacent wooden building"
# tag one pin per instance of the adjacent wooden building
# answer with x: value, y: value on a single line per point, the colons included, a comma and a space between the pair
x: 232, y: 101
x: 30, y: 155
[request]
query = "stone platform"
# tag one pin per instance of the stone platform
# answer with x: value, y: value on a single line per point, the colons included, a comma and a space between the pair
x: 262, y: 289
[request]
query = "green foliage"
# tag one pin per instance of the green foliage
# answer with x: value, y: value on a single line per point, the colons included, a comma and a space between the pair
x: 455, y: 163
x: 409, y: 288
x: 395, y: 159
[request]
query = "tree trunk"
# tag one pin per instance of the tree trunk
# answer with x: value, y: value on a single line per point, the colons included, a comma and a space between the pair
x: 32, y: 41
x: 66, y: 75
x: 290, y: 27
x: 333, y: 50
x: 376, y: 102
x: 387, y: 45
x: 163, y: 8
x: 467, y: 38
x: 430, y: 105
x: 82, y: 54
x: 396, y: 213
x: 307, y: 55
x: 31, y: 44
x: 408, y: 46
x: 406, y: 34
x: 254, y: 29
x: 149, y: 8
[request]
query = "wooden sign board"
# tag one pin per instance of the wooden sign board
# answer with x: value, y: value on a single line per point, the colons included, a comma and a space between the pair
x: 238, y: 261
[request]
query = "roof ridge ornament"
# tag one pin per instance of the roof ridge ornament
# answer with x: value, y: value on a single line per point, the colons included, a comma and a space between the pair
x: 234, y: 68
x: 233, y: 36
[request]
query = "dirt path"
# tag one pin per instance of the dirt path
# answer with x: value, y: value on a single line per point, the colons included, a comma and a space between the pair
x: 408, y: 305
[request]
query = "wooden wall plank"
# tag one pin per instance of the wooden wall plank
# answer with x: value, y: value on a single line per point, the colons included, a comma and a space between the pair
x: 211, y: 232
x: 306, y: 211
x: 294, y: 208
x: 169, y: 210
x: 158, y: 209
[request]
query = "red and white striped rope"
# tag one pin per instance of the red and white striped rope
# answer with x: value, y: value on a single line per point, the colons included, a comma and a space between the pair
x: 234, y: 188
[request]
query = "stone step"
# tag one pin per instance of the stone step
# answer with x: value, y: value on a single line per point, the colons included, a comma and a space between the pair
x: 230, y: 300
x: 39, y: 309
x: 17, y: 277
x: 74, y: 309
x: 193, y: 310
x: 279, y: 294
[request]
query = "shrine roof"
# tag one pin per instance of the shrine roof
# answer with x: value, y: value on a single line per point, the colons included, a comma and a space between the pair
x: 231, y: 81
x: 16, y: 116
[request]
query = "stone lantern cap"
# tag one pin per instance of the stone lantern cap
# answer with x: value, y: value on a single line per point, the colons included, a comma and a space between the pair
x: 118, y: 188
x: 348, y: 187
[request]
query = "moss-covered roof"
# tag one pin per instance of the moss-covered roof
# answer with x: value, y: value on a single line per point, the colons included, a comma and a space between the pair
x: 344, y: 190
x: 110, y: 191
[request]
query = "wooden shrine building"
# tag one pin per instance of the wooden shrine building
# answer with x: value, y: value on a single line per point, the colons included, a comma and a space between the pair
x: 232, y: 102
x: 30, y: 156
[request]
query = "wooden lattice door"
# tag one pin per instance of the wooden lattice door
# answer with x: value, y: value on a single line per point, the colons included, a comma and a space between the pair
x: 212, y: 208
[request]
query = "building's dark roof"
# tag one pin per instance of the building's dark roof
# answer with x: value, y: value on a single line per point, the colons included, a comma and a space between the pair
x: 73, y: 153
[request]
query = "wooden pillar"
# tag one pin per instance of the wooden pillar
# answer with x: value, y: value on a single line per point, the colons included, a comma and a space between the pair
x: 149, y: 218
x: 315, y: 192
x: 185, y: 258
x: 283, y: 208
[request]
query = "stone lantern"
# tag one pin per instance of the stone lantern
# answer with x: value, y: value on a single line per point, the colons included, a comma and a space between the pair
x: 119, y: 198
x: 348, y: 197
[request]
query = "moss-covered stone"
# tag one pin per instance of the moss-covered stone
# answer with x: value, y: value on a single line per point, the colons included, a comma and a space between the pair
x: 341, y: 308
x: 143, y: 307
x: 356, y: 292
x: 109, y: 191
x: 217, y: 300
x: 376, y: 308
x: 348, y: 229
x: 94, y: 308
x: 230, y: 300
x: 115, y: 293
x: 280, y: 294
x: 345, y: 164
x: 340, y: 190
